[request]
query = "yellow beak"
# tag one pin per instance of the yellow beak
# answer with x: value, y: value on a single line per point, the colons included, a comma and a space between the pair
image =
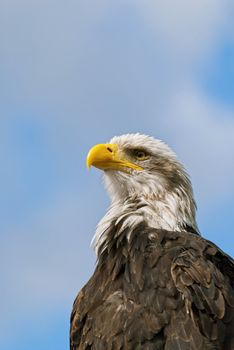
x: 107, y: 156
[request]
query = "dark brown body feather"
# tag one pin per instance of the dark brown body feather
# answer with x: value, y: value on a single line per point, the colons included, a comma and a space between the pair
x: 156, y: 290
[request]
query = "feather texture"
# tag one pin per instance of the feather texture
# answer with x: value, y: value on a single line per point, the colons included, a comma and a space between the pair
x: 170, y: 292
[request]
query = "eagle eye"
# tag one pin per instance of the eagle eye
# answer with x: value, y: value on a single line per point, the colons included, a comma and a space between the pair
x: 140, y: 154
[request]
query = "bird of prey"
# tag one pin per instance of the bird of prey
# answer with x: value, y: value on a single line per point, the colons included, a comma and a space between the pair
x: 157, y: 284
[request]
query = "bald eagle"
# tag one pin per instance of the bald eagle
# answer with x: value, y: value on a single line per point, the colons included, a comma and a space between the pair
x: 157, y: 284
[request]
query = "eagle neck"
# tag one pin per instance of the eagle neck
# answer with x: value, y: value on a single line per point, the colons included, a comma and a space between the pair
x: 169, y: 212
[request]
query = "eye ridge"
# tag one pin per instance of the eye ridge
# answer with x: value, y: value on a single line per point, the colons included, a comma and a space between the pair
x: 140, y: 154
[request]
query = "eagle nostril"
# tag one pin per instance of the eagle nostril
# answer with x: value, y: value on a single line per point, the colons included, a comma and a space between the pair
x: 109, y: 149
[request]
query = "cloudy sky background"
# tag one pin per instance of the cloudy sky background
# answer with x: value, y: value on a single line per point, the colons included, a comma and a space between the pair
x: 76, y: 73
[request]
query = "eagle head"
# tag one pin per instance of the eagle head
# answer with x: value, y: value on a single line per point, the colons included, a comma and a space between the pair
x: 138, y: 168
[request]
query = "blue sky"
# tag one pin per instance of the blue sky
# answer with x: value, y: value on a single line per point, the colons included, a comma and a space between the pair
x: 76, y: 73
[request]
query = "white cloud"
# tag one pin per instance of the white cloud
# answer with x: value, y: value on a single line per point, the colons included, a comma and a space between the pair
x: 202, y: 133
x: 186, y: 30
x: 47, y: 259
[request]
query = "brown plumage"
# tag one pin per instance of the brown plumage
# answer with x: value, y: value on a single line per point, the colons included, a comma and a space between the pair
x: 155, y: 288
x: 161, y: 290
